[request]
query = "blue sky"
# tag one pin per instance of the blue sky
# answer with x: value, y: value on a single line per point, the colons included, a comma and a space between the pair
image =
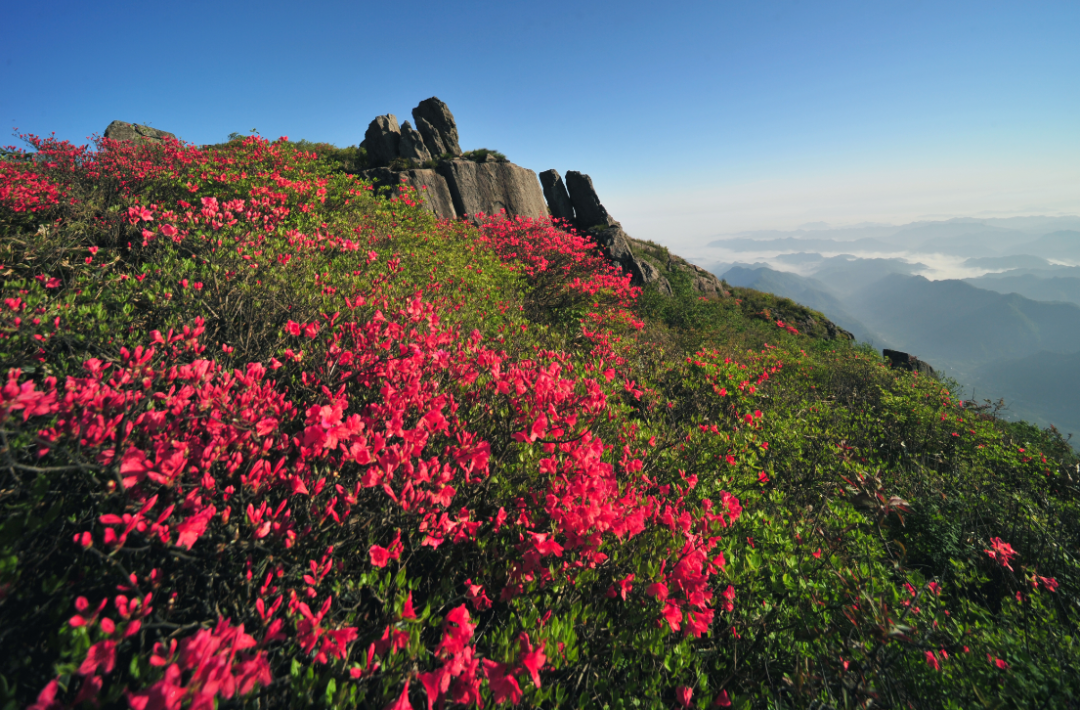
x: 693, y: 118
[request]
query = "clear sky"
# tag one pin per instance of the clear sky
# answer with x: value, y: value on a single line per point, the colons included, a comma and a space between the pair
x: 693, y: 118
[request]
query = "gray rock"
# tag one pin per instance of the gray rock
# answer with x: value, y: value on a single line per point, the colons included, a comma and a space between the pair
x: 558, y: 199
x: 121, y: 131
x: 588, y: 211
x: 616, y: 245
x: 430, y: 187
x: 908, y: 362
x: 382, y: 139
x: 491, y: 187
x: 412, y: 145
x: 649, y: 272
x: 432, y: 141
x: 664, y: 286
x: 436, y: 124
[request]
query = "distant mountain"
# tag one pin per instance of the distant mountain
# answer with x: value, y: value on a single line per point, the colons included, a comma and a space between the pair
x: 800, y: 244
x: 961, y: 238
x: 1007, y: 262
x: 1047, y: 272
x: 806, y: 291
x: 957, y: 322
x: 1012, y: 333
x: 1047, y: 237
x: 845, y: 275
x: 1040, y: 388
x: 1058, y: 288
x: 1064, y: 244
x: 800, y: 258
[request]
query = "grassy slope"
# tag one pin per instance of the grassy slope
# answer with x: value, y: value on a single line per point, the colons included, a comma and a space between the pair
x: 858, y: 568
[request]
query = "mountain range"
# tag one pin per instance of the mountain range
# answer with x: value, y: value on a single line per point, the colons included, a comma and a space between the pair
x: 992, y: 304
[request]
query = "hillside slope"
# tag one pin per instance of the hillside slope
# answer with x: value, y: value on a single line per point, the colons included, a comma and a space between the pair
x: 268, y: 440
x: 807, y: 291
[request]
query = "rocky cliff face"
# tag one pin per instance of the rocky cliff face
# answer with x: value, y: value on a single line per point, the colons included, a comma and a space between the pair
x: 454, y: 187
x: 429, y: 186
x: 578, y: 204
x: 436, y: 124
x: 558, y: 199
x: 589, y: 213
x: 492, y: 186
x: 382, y: 140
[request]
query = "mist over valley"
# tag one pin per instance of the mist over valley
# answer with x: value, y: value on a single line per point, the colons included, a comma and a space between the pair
x: 992, y: 303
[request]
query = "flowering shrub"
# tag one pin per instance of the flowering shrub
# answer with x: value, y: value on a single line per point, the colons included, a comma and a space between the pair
x: 273, y: 440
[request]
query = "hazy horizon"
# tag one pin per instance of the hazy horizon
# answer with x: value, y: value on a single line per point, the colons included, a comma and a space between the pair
x: 985, y: 246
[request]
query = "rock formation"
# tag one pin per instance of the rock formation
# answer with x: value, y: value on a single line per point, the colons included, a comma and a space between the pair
x: 382, y: 140
x: 412, y: 145
x: 908, y: 362
x: 702, y: 282
x: 492, y: 186
x: 430, y: 187
x: 436, y: 124
x: 588, y: 211
x: 459, y: 188
x: 558, y: 199
x: 121, y: 131
x: 617, y: 246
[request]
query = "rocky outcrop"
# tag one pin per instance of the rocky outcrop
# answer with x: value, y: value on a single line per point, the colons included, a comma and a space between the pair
x: 436, y: 124
x: 429, y: 186
x: 643, y: 272
x: 492, y: 186
x: 558, y: 199
x: 617, y: 247
x: 121, y: 131
x: 382, y: 139
x: 432, y: 141
x: 904, y: 361
x: 489, y: 184
x: 588, y: 212
x: 412, y: 145
x: 702, y: 281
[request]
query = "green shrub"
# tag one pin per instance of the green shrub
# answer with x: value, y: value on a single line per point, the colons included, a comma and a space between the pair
x: 480, y: 155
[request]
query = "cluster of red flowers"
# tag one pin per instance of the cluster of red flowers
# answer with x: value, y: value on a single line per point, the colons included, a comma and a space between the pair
x: 26, y: 190
x: 197, y: 447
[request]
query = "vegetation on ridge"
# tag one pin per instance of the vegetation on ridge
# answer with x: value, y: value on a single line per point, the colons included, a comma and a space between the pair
x: 271, y: 440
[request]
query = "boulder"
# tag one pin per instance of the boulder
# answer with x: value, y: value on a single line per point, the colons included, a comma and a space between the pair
x: 491, y: 187
x: 558, y: 199
x: 588, y: 211
x: 121, y: 131
x: 436, y: 124
x: 430, y: 187
x: 904, y: 361
x: 382, y: 139
x: 412, y: 145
